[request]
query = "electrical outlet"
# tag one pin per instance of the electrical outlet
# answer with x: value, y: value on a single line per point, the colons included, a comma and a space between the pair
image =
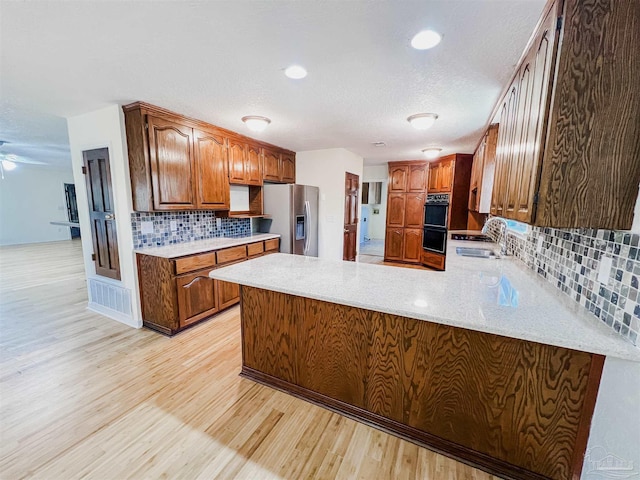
x: 173, y: 225
x: 146, y: 228
x: 219, y: 222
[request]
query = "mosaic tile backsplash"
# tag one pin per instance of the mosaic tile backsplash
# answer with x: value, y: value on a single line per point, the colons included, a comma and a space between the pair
x: 190, y: 226
x: 570, y: 260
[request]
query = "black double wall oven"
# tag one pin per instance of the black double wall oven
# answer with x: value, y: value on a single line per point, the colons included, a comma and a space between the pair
x: 436, y: 214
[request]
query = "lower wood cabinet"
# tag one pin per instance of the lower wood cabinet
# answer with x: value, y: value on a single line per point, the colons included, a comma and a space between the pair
x: 394, y: 244
x: 176, y: 293
x: 412, y: 245
x: 197, y: 296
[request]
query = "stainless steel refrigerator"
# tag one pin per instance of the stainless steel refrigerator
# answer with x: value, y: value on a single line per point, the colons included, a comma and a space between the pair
x: 293, y: 211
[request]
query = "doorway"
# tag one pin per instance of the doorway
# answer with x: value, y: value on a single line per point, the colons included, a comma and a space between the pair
x: 351, y: 194
x: 97, y: 173
x: 72, y: 208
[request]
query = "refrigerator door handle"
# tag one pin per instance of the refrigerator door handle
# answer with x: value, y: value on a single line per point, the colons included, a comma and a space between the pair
x: 307, y: 221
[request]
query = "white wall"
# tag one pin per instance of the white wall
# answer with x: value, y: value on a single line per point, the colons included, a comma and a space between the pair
x: 326, y: 169
x: 377, y: 223
x: 31, y: 196
x: 615, y: 427
x: 98, y: 129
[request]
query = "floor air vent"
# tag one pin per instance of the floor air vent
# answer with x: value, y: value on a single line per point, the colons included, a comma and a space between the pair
x: 110, y: 296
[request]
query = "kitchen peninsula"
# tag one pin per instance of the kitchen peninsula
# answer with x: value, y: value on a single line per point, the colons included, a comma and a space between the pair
x: 480, y: 362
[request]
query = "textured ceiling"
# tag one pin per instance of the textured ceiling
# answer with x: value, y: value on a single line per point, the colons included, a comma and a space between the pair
x: 221, y: 60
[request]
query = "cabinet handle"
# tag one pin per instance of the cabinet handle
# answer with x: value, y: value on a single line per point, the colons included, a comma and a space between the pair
x: 197, y: 279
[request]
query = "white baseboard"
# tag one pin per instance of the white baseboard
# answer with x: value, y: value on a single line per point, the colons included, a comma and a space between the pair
x: 114, y: 315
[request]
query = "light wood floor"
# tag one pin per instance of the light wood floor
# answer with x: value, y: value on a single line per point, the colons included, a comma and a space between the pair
x: 84, y: 396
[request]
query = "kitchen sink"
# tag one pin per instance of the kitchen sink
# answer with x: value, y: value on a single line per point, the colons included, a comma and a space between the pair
x: 476, y: 252
x: 474, y: 237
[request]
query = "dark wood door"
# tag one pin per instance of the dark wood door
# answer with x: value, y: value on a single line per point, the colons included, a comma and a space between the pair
x: 351, y: 194
x: 212, y: 181
x: 236, y: 156
x: 396, y: 206
x: 394, y: 244
x: 171, y: 156
x: 414, y: 210
x: 253, y: 168
x: 288, y: 168
x: 398, y: 177
x: 228, y: 294
x: 412, y: 248
x: 197, y: 296
x: 101, y: 213
x: 417, y: 181
x: 271, y: 167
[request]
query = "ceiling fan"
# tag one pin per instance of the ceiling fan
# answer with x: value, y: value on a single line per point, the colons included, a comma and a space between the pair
x: 9, y: 161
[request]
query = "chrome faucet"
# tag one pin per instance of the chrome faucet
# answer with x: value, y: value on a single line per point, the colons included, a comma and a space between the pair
x: 502, y: 240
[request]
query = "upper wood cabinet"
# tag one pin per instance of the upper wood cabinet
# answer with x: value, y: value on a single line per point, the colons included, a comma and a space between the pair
x: 178, y: 163
x: 483, y: 171
x: 417, y: 178
x: 212, y: 186
x: 398, y: 176
x: 278, y: 167
x: 451, y: 174
x: 441, y: 174
x: 568, y: 148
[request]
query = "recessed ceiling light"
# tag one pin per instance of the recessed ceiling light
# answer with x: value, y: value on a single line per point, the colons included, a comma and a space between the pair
x: 422, y: 121
x: 431, y: 153
x: 256, y: 123
x: 425, y: 40
x: 296, y: 72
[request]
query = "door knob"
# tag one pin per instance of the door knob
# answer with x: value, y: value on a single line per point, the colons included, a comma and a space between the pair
x: 109, y: 216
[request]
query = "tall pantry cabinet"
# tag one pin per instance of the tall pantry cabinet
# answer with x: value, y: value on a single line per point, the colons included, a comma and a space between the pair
x: 405, y: 211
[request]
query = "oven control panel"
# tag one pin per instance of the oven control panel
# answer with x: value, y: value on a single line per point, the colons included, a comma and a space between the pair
x: 438, y: 198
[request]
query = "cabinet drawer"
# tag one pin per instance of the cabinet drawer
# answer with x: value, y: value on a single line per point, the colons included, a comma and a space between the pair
x: 271, y: 245
x: 433, y: 260
x: 232, y: 254
x: 196, y: 262
x: 255, y: 248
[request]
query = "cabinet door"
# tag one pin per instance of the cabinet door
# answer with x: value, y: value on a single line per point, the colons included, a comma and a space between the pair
x: 504, y: 149
x: 237, y: 155
x: 398, y: 176
x: 414, y: 210
x: 228, y: 294
x: 394, y: 244
x: 412, y: 249
x: 288, y: 168
x: 445, y: 176
x: 197, y: 297
x: 417, y: 178
x: 171, y: 157
x: 476, y: 175
x: 396, y: 209
x: 253, y: 166
x: 212, y: 180
x: 541, y: 61
x: 271, y: 166
x: 434, y: 178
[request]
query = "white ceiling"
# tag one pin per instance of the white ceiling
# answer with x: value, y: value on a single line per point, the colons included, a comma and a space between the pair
x: 221, y: 60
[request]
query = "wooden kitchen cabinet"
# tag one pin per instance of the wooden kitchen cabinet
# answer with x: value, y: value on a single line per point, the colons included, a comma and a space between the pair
x: 482, y: 172
x: 172, y: 165
x: 278, y: 167
x: 394, y: 244
x: 452, y: 175
x: 412, y: 245
x: 396, y: 206
x: 398, y: 176
x: 178, y: 292
x: 568, y: 121
x: 197, y: 297
x: 414, y: 210
x: 405, y: 211
x: 441, y: 175
x: 179, y: 163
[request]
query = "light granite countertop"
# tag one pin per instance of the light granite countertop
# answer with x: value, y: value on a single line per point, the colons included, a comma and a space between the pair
x: 199, y: 246
x: 497, y: 296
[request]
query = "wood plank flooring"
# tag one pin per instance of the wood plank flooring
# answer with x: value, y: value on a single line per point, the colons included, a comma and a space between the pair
x: 83, y: 396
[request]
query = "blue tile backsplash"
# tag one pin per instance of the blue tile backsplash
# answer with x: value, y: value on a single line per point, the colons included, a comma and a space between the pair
x: 569, y: 259
x: 191, y: 225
